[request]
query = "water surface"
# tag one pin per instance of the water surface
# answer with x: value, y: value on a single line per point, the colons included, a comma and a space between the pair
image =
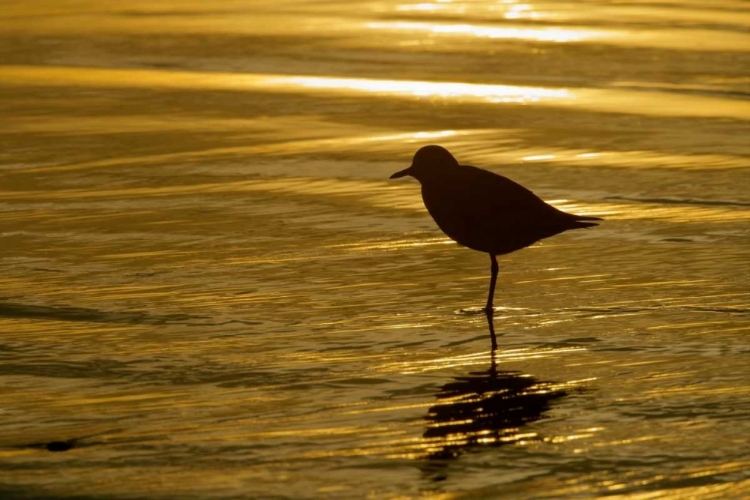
x: 211, y: 290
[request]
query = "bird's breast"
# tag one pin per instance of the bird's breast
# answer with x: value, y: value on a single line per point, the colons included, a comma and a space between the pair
x: 451, y: 214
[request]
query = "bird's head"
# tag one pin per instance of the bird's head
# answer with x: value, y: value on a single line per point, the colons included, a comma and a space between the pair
x: 428, y: 162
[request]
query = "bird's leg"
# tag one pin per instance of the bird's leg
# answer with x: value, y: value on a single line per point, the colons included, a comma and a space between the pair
x: 489, y: 310
x: 492, y: 334
x: 493, y: 279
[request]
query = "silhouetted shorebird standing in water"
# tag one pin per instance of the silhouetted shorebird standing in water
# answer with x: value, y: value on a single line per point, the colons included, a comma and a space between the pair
x: 483, y: 210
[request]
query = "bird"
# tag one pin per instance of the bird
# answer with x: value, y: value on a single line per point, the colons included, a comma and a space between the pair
x: 485, y: 211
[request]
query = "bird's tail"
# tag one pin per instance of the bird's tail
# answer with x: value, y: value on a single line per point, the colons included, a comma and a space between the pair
x: 582, y: 221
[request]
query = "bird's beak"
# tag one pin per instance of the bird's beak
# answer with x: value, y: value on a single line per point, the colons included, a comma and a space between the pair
x: 402, y: 173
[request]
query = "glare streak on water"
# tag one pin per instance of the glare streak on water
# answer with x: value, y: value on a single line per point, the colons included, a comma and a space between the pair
x: 668, y: 39
x: 608, y: 100
x: 211, y: 289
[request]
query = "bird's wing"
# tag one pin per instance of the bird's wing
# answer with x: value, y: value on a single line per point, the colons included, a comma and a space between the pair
x: 492, y: 213
x: 491, y: 194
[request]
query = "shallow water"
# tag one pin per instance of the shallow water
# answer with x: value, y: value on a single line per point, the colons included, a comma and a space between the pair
x: 211, y: 290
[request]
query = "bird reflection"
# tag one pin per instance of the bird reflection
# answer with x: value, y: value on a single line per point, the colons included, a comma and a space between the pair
x: 486, y: 408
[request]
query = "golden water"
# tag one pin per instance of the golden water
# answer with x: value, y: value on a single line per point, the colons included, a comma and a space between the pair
x: 211, y: 290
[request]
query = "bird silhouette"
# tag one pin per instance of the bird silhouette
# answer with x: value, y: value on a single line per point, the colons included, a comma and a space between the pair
x: 485, y: 211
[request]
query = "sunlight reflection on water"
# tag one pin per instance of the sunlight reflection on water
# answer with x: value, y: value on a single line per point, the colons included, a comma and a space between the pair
x: 611, y: 100
x: 537, y: 34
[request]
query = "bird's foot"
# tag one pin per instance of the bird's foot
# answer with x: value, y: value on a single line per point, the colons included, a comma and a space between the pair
x: 471, y: 311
